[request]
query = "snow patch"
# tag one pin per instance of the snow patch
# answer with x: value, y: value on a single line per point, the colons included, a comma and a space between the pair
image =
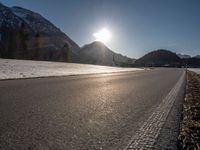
x: 13, y: 69
x: 196, y: 70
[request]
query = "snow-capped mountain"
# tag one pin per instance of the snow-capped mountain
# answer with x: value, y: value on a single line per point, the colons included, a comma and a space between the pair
x: 36, y: 22
x: 25, y: 34
x: 15, y: 20
x: 41, y: 25
x: 7, y: 19
x: 197, y: 56
x: 183, y: 56
x: 98, y: 53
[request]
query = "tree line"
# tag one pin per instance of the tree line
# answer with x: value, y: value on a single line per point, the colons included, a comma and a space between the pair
x: 15, y: 44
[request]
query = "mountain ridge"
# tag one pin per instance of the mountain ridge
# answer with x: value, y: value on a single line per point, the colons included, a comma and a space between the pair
x: 98, y: 53
x: 158, y: 58
x: 166, y: 58
x: 26, y: 34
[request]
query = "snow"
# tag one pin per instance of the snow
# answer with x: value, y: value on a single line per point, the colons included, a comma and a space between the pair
x: 34, y: 20
x: 20, y: 14
x: 196, y: 70
x: 13, y: 69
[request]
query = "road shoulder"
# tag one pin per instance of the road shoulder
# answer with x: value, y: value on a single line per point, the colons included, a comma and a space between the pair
x: 190, y: 125
x: 147, y: 137
x: 168, y: 138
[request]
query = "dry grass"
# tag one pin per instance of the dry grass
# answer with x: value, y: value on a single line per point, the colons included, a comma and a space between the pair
x: 190, y: 126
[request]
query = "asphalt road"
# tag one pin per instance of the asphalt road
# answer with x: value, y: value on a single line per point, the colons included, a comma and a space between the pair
x: 80, y: 112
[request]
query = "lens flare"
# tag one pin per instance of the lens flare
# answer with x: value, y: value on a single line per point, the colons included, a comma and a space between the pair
x: 103, y: 35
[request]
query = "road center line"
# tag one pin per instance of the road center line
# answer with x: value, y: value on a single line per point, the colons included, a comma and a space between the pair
x: 146, y: 136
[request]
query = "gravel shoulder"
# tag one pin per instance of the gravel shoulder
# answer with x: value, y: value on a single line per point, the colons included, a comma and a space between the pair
x: 189, y: 137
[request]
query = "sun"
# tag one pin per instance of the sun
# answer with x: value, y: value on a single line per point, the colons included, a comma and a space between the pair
x: 102, y: 35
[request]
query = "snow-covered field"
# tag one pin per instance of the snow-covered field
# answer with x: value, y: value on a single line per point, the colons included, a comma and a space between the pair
x: 13, y: 69
x: 197, y: 70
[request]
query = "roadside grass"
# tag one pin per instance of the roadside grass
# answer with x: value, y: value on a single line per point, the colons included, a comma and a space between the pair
x: 189, y: 137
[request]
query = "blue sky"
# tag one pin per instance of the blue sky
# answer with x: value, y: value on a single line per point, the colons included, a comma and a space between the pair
x: 137, y: 26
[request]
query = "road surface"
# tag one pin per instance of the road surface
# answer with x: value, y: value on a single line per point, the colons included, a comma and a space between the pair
x: 84, y: 112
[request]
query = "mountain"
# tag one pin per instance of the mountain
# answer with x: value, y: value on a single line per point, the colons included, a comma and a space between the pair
x: 41, y: 25
x: 197, y: 56
x: 98, y: 53
x: 28, y: 35
x: 159, y: 58
x: 192, y: 62
x: 183, y: 56
x: 25, y: 34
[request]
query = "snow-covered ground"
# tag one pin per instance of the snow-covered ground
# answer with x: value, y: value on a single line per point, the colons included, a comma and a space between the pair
x: 197, y: 70
x: 13, y: 69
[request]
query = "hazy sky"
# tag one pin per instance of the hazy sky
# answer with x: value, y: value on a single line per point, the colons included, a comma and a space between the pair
x: 137, y: 26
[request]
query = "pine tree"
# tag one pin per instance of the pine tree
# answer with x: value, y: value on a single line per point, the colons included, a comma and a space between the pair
x: 114, y: 59
x: 36, y: 46
x: 9, y: 44
x: 23, y: 38
x: 66, y: 53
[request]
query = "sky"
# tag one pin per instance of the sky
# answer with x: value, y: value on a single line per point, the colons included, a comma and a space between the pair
x: 136, y: 26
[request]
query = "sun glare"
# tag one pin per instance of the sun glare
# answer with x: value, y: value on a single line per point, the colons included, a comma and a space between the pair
x: 103, y: 35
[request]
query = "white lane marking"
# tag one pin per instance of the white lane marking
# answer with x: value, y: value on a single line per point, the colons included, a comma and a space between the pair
x: 146, y: 136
